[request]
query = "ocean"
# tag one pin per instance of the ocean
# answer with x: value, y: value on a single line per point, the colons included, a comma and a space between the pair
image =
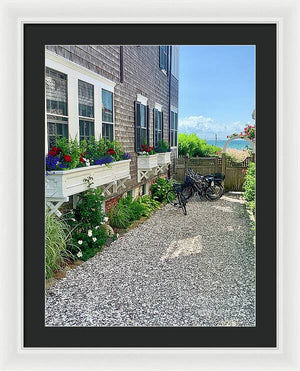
x: 237, y: 143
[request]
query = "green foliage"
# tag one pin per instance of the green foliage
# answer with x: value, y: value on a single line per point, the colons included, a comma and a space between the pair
x: 194, y: 146
x: 57, y: 235
x: 162, y: 147
x: 88, y: 236
x: 128, y: 210
x: 249, y: 186
x: 149, y: 205
x: 159, y: 190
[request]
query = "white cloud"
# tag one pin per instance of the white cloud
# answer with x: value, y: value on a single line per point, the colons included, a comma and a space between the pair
x: 206, y: 127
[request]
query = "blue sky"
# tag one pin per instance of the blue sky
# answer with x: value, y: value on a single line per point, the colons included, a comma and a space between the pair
x: 216, y: 89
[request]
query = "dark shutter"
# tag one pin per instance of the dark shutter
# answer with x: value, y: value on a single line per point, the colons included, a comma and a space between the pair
x: 148, y: 128
x: 137, y: 125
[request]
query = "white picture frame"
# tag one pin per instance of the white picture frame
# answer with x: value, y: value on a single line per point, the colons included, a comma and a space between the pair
x: 13, y: 356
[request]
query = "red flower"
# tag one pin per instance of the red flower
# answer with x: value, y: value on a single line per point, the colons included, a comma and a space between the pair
x: 111, y: 151
x: 84, y: 153
x: 67, y: 158
x: 148, y: 150
x: 52, y: 153
x: 82, y: 159
x: 151, y: 148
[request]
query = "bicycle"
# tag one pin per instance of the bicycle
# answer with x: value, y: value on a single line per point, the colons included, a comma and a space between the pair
x: 206, y: 186
x: 176, y: 198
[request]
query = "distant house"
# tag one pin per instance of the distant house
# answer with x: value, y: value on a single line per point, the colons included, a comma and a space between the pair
x: 127, y: 93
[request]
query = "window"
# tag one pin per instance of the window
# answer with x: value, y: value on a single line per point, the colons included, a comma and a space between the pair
x: 86, y: 110
x: 143, y: 189
x: 163, y: 57
x: 174, y: 128
x: 141, y: 125
x: 158, y: 126
x: 56, y: 105
x: 107, y: 115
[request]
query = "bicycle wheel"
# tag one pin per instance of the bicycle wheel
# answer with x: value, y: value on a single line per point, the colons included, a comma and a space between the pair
x: 214, y: 192
x: 188, y: 192
x: 172, y: 197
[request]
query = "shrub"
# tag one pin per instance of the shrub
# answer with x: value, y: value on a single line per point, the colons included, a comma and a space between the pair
x: 88, y: 236
x: 159, y: 190
x: 57, y: 236
x: 192, y: 145
x: 249, y: 186
x: 149, y: 205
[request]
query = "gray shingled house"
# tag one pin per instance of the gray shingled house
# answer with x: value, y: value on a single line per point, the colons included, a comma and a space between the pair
x: 127, y: 93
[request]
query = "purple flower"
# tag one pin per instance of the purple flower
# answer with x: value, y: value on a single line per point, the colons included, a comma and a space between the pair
x: 126, y: 156
x: 103, y: 160
x: 51, y: 162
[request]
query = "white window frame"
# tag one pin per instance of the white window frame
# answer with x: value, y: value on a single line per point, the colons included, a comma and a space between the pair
x: 175, y: 61
x: 74, y: 73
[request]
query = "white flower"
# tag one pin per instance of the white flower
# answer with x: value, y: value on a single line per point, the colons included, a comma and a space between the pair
x: 102, y: 223
x: 74, y: 220
x: 90, y: 233
x: 87, y: 163
x: 97, y: 226
x: 117, y: 235
x: 94, y: 239
x: 80, y: 242
x: 105, y: 219
x: 79, y: 254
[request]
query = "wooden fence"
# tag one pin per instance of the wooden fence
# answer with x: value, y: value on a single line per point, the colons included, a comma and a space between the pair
x: 234, y: 175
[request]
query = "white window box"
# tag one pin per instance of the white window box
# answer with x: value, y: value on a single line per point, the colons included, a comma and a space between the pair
x: 64, y: 183
x: 163, y: 158
x: 147, y: 162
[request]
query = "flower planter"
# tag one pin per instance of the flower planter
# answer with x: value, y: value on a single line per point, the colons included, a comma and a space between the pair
x: 164, y: 158
x: 147, y: 162
x: 61, y: 184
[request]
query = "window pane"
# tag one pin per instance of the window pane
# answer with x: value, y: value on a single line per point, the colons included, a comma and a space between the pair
x: 143, y: 136
x: 85, y: 99
x: 176, y: 121
x: 56, y: 126
x: 86, y: 129
x: 107, y: 106
x: 108, y: 131
x: 56, y: 92
x: 172, y: 120
x: 143, y: 116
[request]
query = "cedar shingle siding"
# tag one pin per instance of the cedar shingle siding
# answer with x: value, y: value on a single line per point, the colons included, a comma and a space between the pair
x: 141, y: 75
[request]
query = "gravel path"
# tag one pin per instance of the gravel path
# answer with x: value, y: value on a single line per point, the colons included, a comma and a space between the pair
x: 172, y: 270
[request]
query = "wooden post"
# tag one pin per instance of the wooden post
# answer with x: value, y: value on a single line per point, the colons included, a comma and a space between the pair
x: 223, y: 166
x: 216, y: 164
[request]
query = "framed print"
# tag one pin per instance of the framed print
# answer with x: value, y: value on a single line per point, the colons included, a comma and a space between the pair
x: 195, y: 284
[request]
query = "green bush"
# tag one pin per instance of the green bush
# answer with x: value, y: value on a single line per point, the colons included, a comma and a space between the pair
x: 159, y: 190
x: 86, y: 221
x: 194, y: 146
x: 149, y: 205
x: 128, y: 210
x: 249, y: 186
x: 57, y: 237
